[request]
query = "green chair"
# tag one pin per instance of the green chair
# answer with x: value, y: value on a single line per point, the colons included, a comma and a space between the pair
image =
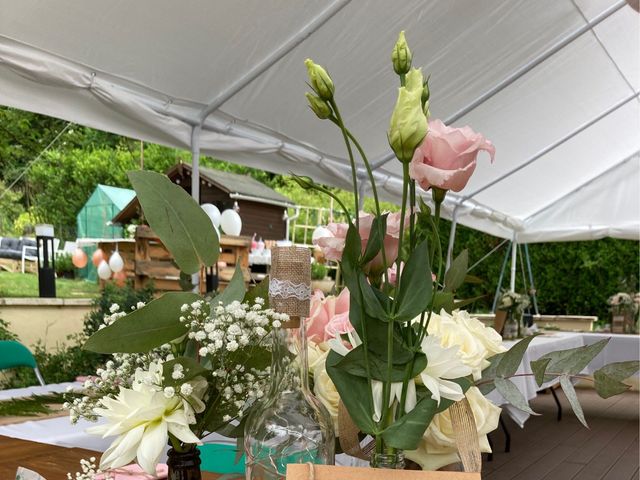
x: 14, y: 354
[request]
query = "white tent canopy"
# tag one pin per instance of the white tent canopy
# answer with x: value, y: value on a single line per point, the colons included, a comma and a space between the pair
x: 553, y: 83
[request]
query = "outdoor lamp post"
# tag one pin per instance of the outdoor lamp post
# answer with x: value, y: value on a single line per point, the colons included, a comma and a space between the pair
x: 46, y: 261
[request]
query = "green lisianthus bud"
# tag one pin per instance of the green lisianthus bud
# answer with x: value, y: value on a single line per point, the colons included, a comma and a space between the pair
x: 319, y: 106
x: 408, y: 125
x: 320, y: 80
x: 305, y: 182
x: 401, y: 55
x: 426, y: 94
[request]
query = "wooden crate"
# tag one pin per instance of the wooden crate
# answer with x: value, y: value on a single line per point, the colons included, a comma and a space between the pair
x: 330, y: 472
x: 147, y: 260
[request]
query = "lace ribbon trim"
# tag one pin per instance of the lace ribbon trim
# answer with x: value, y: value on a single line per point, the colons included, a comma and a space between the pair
x: 287, y: 289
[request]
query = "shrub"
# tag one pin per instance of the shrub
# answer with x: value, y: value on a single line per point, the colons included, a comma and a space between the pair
x: 64, y: 265
x: 318, y: 271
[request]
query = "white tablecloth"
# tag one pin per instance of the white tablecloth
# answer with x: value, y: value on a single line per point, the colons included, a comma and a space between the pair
x: 38, y: 390
x: 620, y: 348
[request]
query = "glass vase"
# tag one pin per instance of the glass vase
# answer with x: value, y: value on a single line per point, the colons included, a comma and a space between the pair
x: 511, y: 327
x: 289, y: 425
x: 391, y: 461
x: 184, y: 465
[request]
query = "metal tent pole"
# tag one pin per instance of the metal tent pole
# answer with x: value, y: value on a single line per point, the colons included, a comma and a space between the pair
x: 195, y: 163
x: 532, y: 286
x: 514, y: 259
x: 504, y: 266
x: 452, y: 237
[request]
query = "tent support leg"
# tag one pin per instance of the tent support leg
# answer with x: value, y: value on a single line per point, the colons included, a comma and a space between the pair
x: 532, y: 288
x: 504, y: 267
x: 514, y: 259
x: 452, y: 238
x: 195, y: 163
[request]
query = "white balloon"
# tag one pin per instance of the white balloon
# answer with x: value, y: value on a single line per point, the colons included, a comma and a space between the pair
x: 213, y: 213
x: 104, y: 271
x: 116, y: 263
x: 320, y: 232
x: 230, y: 222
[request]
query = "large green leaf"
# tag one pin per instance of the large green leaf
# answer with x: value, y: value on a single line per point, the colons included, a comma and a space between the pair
x: 457, y: 272
x: 354, y: 392
x: 570, y: 393
x: 511, y: 394
x: 148, y: 327
x: 512, y: 359
x: 354, y: 363
x: 375, y: 242
x: 234, y: 291
x: 571, y: 361
x: 406, y: 432
x: 184, y: 228
x: 608, y: 379
x: 260, y: 290
x: 486, y: 383
x: 416, y: 285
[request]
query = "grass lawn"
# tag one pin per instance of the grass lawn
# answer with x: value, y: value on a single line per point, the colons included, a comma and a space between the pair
x: 26, y: 285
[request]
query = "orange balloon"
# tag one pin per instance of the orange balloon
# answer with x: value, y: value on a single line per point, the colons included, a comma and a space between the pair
x: 120, y: 278
x: 79, y: 258
x: 98, y: 256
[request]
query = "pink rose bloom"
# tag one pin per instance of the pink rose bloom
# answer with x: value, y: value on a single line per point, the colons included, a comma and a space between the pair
x: 330, y: 311
x: 332, y: 246
x: 447, y: 157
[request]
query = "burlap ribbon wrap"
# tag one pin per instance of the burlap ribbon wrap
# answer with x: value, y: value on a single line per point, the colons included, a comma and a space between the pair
x: 290, y: 282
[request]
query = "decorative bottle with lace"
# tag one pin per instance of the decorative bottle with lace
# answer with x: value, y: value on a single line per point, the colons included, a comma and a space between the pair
x: 289, y: 425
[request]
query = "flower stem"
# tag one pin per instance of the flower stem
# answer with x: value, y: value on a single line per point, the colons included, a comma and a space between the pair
x: 354, y: 175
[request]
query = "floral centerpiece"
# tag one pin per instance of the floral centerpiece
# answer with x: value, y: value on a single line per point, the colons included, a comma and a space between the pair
x: 624, y: 310
x: 514, y: 304
x: 393, y: 357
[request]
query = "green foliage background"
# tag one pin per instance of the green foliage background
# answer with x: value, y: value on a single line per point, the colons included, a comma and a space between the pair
x: 570, y: 278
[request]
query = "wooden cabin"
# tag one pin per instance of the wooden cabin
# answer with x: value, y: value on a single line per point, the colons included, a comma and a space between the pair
x: 262, y: 209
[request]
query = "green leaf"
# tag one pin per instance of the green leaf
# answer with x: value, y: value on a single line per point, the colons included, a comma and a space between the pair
x: 511, y: 394
x: 184, y: 228
x: 608, y: 379
x: 234, y: 291
x: 512, y: 359
x: 148, y: 327
x: 416, y: 285
x: 538, y: 367
x: 457, y: 272
x: 354, y: 363
x: 191, y: 369
x: 354, y: 392
x: 375, y: 239
x: 570, y: 393
x: 376, y: 303
x: 261, y: 290
x: 573, y: 360
x: 467, y: 301
x: 407, y: 431
x: 489, y: 375
x: 443, y: 300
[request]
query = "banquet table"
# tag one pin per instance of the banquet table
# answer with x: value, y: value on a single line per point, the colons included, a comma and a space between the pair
x: 51, y: 461
x: 620, y: 348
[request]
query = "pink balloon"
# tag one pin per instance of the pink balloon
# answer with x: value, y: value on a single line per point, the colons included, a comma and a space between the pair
x: 98, y: 257
x: 79, y: 258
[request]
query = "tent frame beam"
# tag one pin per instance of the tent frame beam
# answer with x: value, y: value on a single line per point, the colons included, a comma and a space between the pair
x: 581, y: 186
x: 521, y: 71
x: 257, y: 70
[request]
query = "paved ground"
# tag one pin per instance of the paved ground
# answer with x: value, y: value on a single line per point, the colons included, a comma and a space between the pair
x: 550, y: 450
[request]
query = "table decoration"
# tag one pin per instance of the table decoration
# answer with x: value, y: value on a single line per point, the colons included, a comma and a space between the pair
x: 514, y: 304
x: 406, y: 366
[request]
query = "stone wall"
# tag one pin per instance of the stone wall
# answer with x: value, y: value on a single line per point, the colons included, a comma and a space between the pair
x: 50, y: 320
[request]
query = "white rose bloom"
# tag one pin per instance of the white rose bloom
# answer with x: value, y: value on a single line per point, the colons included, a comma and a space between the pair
x: 142, y: 418
x: 475, y: 341
x: 326, y: 392
x: 437, y: 447
x: 443, y: 365
x: 317, y: 354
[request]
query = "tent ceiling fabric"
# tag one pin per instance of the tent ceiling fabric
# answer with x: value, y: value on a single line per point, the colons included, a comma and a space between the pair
x: 149, y: 69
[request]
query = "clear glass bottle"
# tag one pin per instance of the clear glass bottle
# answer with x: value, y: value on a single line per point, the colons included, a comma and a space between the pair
x: 289, y: 425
